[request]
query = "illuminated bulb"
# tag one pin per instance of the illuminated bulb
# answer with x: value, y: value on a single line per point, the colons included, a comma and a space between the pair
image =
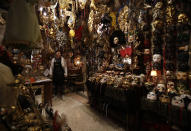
x: 153, y: 73
x: 40, y: 8
x: 54, y: 17
x: 44, y: 14
x: 78, y: 62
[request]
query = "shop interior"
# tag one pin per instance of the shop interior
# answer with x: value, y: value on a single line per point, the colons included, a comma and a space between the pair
x: 95, y: 65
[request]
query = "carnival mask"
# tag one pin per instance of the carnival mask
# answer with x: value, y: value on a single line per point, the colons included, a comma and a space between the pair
x: 152, y: 96
x: 103, y: 80
x: 146, y: 51
x: 127, y: 60
x: 182, y: 18
x: 161, y: 87
x: 159, y: 5
x: 157, y: 58
x: 169, y: 74
x: 170, y: 84
x: 164, y: 98
x: 116, y: 40
x: 181, y: 75
x: 130, y: 38
x: 178, y: 101
x: 82, y: 3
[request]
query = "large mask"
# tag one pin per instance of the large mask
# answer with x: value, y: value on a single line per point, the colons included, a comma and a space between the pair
x: 152, y: 96
x: 177, y: 101
x: 182, y: 75
x: 157, y: 58
x: 182, y: 18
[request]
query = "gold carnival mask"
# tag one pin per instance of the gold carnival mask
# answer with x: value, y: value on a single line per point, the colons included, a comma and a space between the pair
x: 182, y: 18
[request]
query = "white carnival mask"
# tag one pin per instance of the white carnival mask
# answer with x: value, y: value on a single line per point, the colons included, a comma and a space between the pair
x: 157, y: 58
x: 151, y: 96
x: 177, y: 101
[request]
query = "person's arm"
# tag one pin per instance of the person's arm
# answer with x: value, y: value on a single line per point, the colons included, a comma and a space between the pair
x: 51, y: 67
x: 64, y: 65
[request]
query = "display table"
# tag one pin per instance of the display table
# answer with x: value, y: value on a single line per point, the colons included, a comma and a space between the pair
x: 46, y: 89
x: 121, y: 104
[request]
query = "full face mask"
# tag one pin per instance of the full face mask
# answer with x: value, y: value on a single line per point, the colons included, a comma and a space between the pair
x: 181, y: 75
x: 177, y: 101
x: 82, y: 3
x: 182, y: 18
x: 116, y: 40
x: 169, y: 74
x: 157, y: 58
x: 152, y: 96
x: 164, y: 98
x: 161, y: 87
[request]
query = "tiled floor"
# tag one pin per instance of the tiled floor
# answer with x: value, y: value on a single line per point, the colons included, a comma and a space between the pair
x: 80, y: 116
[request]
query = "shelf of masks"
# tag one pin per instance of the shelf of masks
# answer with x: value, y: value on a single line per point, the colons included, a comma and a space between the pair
x: 172, y: 106
x: 170, y: 113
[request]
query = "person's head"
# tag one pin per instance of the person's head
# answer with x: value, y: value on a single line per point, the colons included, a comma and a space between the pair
x: 58, y: 54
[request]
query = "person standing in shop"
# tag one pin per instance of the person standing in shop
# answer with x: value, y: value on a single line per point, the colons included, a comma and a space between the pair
x: 58, y: 72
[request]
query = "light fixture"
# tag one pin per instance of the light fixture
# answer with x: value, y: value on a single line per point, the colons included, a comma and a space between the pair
x: 77, y: 61
x: 44, y: 13
x: 153, y: 73
x: 41, y: 8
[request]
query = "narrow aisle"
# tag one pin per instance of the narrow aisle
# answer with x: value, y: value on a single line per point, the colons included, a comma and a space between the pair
x: 81, y: 117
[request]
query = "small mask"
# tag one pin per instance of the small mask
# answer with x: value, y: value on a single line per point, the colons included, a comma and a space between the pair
x: 159, y: 5
x: 116, y: 40
x: 82, y: 3
x: 157, y: 58
x: 131, y: 38
x: 161, y: 87
x: 169, y: 74
x: 147, y: 51
x: 152, y: 96
x: 182, y: 18
x: 181, y: 75
x: 164, y: 98
x: 170, y: 85
x: 177, y: 101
